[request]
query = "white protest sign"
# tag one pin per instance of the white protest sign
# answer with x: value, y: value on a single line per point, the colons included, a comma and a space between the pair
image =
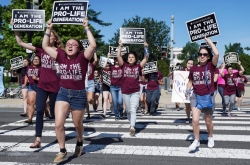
x: 113, y: 50
x: 231, y: 57
x: 106, y: 77
x: 103, y: 59
x: 133, y: 35
x: 150, y: 67
x: 85, y: 43
x: 16, y: 62
x: 28, y: 20
x: 179, y: 87
x: 203, y: 26
x: 69, y: 12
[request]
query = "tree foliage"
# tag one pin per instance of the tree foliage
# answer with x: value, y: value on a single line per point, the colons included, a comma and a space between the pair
x: 8, y: 46
x: 236, y: 47
x: 189, y: 51
x: 157, y: 35
x: 163, y: 67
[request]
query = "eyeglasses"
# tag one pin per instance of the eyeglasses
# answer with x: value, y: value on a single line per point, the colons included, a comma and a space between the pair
x: 204, y: 54
x: 74, y: 45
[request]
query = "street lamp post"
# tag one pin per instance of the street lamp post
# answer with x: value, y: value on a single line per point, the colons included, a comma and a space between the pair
x: 172, y: 39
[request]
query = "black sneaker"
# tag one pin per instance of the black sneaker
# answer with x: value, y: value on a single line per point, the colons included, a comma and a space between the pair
x: 103, y: 116
x: 117, y: 118
x: 88, y: 117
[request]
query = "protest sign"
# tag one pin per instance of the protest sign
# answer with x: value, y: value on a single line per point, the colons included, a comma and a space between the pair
x: 203, y: 26
x: 133, y: 35
x: 113, y: 51
x: 175, y: 67
x: 106, y: 78
x: 150, y: 67
x: 205, y: 44
x: 16, y: 62
x: 69, y: 12
x: 103, y: 59
x: 179, y: 87
x: 28, y: 20
x: 231, y: 57
x: 85, y: 43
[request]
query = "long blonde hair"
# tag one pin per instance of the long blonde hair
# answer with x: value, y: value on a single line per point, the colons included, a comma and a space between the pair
x: 58, y: 43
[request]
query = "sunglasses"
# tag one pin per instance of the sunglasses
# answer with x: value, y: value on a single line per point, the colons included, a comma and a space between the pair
x: 204, y: 54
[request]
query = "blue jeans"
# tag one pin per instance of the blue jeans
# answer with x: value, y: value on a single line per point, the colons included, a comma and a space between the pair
x: 132, y: 102
x: 117, y: 99
x: 221, y: 92
x: 41, y: 97
x: 151, y: 98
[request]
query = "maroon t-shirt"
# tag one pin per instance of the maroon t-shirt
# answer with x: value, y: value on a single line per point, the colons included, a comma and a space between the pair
x: 32, y: 71
x: 73, y: 71
x: 215, y: 83
x: 145, y: 82
x: 229, y: 84
x: 91, y: 69
x: 116, y: 75
x: 22, y: 73
x: 48, y: 80
x: 130, y: 78
x: 241, y: 83
x: 153, y: 80
x: 196, y: 74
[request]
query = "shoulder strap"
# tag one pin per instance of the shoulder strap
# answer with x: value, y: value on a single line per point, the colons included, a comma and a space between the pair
x: 205, y: 74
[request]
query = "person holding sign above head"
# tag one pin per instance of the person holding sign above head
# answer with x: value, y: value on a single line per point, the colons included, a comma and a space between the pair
x: 21, y: 75
x: 202, y: 79
x: 48, y: 84
x: 72, y: 94
x: 91, y: 84
x: 152, y: 92
x: 131, y: 71
x: 115, y: 87
x: 31, y: 80
x: 231, y: 81
x: 189, y: 64
x: 105, y: 76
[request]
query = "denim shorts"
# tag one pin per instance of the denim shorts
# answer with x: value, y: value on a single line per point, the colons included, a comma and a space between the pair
x: 77, y: 99
x: 26, y: 87
x: 91, y: 86
x: 32, y: 88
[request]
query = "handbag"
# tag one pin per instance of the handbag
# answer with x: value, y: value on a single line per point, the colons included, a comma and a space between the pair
x: 238, y: 93
x: 204, y: 101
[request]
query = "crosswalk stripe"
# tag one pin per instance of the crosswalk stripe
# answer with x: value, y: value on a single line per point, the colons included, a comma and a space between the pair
x: 176, y: 136
x: 136, y: 150
x: 158, y: 126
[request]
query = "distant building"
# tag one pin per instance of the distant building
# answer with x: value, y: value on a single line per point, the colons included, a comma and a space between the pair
x: 176, y: 53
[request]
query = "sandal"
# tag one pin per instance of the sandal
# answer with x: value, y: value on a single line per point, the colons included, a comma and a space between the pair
x: 36, y: 144
x: 23, y: 114
x: 29, y: 121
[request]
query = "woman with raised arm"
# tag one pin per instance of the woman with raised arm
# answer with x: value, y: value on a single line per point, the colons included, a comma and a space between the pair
x: 48, y: 84
x: 231, y: 79
x: 31, y: 81
x: 72, y: 94
x: 203, y: 85
x: 131, y: 70
x: 91, y: 84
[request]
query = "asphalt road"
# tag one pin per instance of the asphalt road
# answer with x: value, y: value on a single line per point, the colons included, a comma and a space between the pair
x: 161, y: 139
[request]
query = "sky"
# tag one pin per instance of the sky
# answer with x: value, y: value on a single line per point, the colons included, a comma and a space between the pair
x: 233, y: 17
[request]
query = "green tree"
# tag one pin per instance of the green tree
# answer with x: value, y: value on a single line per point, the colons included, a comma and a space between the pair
x: 163, y: 67
x: 236, y: 47
x: 8, y: 46
x: 247, y: 48
x: 245, y: 62
x: 189, y: 51
x: 157, y: 35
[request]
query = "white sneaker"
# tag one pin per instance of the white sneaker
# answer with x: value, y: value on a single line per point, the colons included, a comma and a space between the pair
x: 194, y: 145
x: 210, y: 143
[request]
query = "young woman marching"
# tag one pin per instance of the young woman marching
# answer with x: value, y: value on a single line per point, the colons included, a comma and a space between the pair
x: 189, y: 64
x: 72, y: 94
x: 130, y: 86
x: 91, y: 84
x: 32, y: 78
x: 97, y: 80
x: 203, y: 85
x: 48, y: 84
x: 115, y: 88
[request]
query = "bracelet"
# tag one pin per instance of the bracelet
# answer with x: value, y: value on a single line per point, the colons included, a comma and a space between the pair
x: 47, y: 34
x: 86, y: 30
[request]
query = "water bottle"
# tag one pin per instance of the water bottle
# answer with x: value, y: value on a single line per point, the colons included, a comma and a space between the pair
x: 146, y: 52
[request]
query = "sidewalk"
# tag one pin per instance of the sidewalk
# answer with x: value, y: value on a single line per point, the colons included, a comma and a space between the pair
x: 165, y: 100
